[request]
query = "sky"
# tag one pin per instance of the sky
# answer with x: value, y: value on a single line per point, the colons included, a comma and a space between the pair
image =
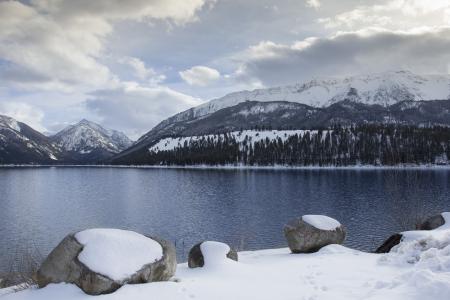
x: 128, y: 65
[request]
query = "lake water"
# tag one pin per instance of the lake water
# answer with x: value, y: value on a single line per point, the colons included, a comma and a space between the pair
x: 245, y: 208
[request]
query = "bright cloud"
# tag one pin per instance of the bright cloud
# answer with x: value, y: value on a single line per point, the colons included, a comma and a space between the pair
x: 393, y: 14
x: 200, y: 75
x: 313, y: 3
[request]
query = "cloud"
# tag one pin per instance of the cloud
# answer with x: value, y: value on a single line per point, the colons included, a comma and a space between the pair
x: 393, y: 15
x: 58, y: 44
x: 313, y: 3
x: 371, y: 50
x: 134, y: 108
x: 200, y: 75
x: 141, y: 71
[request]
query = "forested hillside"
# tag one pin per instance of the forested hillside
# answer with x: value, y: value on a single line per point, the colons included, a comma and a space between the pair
x: 338, y: 146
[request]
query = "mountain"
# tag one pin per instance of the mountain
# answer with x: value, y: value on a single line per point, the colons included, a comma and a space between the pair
x: 88, y: 142
x: 382, y: 89
x: 21, y: 144
x: 281, y: 115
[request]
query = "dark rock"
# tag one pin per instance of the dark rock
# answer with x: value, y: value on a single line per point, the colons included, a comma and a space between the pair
x: 196, y: 258
x: 62, y: 265
x: 305, y: 238
x: 432, y: 222
x: 390, y: 243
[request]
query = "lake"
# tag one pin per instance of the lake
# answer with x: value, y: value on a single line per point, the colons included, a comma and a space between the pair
x: 245, y: 208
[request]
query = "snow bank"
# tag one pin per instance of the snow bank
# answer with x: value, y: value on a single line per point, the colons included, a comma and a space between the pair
x: 321, y: 222
x: 333, y: 273
x: 117, y: 253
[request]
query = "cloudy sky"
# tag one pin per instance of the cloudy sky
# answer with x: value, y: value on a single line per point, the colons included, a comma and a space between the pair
x: 129, y: 64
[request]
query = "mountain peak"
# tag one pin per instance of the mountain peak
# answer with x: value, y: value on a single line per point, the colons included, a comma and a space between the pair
x: 87, y: 137
x: 9, y: 123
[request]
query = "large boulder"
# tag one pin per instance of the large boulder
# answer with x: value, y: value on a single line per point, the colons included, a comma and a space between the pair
x: 312, y: 232
x: 210, y: 252
x: 100, y: 261
x: 429, y: 224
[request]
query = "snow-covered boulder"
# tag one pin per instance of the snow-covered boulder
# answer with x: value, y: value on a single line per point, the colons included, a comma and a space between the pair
x: 312, y: 232
x: 209, y: 252
x: 429, y: 224
x: 100, y: 261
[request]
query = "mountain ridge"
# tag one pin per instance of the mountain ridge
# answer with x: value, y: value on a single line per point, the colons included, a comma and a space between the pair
x: 81, y: 143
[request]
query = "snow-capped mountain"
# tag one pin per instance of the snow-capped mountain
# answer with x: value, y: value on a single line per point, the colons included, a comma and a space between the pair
x: 384, y: 89
x: 374, y: 89
x: 20, y: 144
x: 88, y: 141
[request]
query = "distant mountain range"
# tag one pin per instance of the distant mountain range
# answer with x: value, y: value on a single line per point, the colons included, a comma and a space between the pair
x: 83, y: 143
x: 391, y: 98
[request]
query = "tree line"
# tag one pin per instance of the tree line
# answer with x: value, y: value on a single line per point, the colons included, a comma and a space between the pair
x: 368, y: 144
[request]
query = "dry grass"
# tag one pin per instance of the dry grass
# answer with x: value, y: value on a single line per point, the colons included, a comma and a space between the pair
x: 21, y: 273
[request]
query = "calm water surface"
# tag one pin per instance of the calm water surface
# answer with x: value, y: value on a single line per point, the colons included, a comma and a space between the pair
x: 245, y: 208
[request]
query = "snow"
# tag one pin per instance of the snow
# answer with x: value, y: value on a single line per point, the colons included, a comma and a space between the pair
x: 252, y: 136
x: 383, y: 88
x: 321, y: 222
x: 116, y: 253
x: 214, y: 253
x: 333, y: 273
x: 52, y: 156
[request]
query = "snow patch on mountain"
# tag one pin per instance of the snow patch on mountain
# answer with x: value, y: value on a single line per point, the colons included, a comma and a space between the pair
x: 247, y: 136
x: 86, y: 136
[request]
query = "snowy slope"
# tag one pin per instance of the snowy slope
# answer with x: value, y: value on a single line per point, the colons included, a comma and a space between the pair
x: 85, y: 137
x: 384, y: 88
x: 418, y: 268
x: 19, y: 143
x: 250, y: 136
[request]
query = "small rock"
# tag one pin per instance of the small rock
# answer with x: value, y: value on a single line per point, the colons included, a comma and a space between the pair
x: 302, y: 237
x: 390, y: 243
x: 432, y: 222
x: 197, y: 258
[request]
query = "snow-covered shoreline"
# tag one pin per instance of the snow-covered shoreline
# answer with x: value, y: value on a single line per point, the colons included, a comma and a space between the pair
x: 417, y: 268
